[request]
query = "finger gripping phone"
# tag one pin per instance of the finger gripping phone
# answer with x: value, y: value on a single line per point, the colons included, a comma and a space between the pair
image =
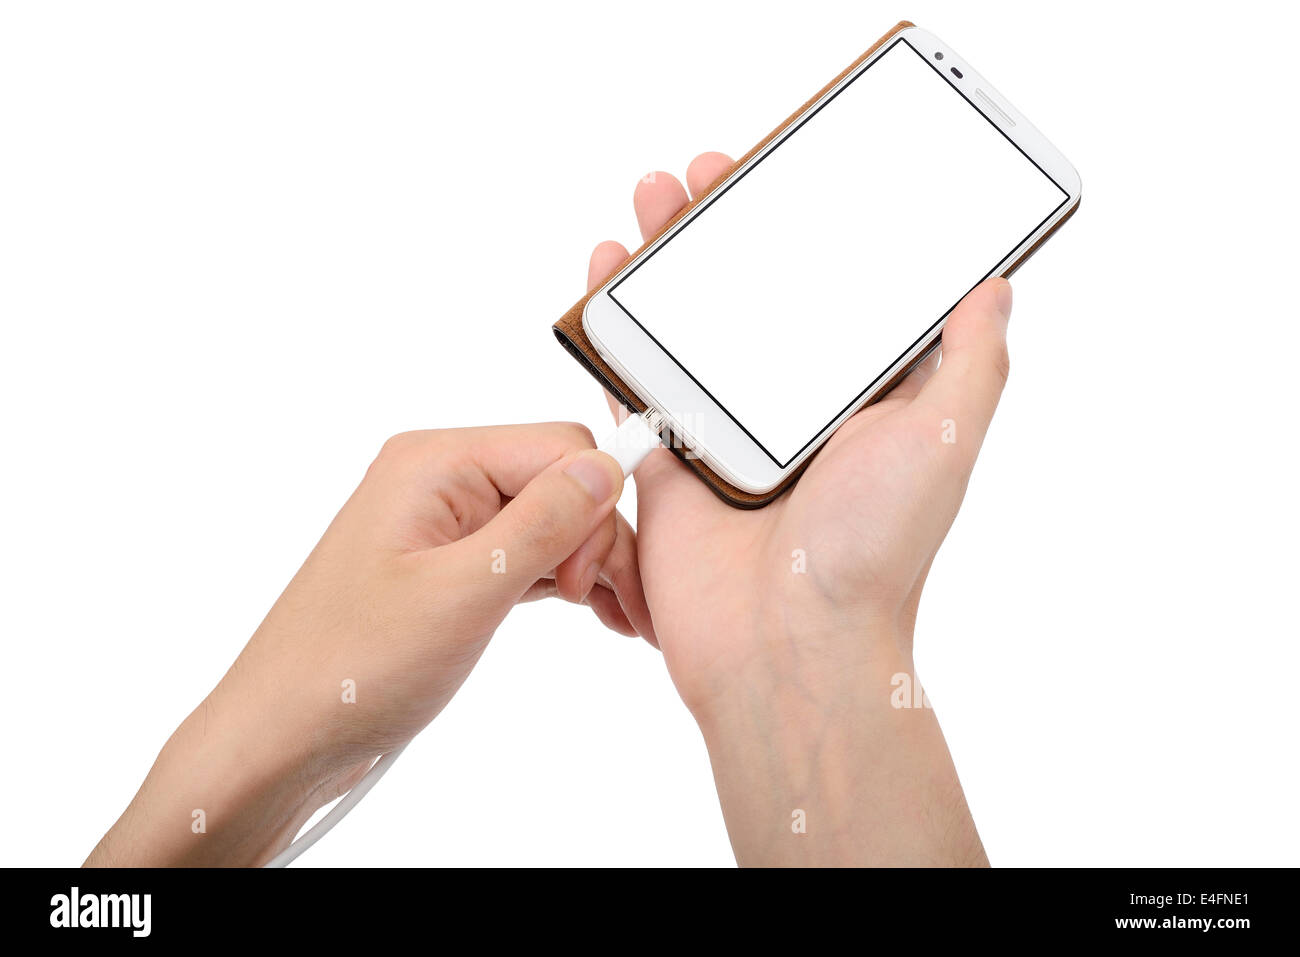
x: 809, y: 280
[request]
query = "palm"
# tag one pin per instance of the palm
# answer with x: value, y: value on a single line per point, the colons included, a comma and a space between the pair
x: 709, y: 568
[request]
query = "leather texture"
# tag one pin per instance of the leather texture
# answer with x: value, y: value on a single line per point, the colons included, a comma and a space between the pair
x: 568, y: 330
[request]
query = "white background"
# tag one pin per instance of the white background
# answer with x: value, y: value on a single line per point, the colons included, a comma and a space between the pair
x: 240, y: 244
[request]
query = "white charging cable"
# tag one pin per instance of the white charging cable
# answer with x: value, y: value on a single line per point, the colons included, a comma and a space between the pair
x: 636, y: 438
x: 630, y: 443
x: 339, y: 811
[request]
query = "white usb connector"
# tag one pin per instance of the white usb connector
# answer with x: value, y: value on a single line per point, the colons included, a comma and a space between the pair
x: 636, y: 438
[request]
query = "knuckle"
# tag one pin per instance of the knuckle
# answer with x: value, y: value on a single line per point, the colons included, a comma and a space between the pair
x: 576, y: 435
x: 1001, y: 363
x: 618, y: 569
x: 403, y: 447
x: 602, y: 546
x: 396, y: 447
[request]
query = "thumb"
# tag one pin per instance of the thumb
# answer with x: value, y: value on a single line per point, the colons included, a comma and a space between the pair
x: 551, y: 516
x: 968, y: 383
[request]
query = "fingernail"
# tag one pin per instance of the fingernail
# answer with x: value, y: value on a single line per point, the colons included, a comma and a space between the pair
x: 588, y: 580
x: 592, y: 474
x: 1004, y: 299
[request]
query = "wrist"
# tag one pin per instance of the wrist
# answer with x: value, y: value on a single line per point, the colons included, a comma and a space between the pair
x: 797, y: 658
x: 833, y: 756
x: 227, y: 789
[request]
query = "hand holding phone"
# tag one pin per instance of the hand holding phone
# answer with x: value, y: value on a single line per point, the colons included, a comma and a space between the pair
x: 784, y: 628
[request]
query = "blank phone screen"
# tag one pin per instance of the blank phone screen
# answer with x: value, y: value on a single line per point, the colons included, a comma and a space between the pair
x: 795, y: 288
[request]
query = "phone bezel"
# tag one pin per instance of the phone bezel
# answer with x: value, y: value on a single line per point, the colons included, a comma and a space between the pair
x: 710, y: 432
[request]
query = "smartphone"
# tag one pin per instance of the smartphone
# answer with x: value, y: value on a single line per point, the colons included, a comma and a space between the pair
x: 822, y: 269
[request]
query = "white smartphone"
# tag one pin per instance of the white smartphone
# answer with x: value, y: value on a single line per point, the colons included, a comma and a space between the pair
x: 824, y: 267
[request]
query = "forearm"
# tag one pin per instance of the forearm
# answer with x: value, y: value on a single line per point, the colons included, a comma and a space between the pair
x: 825, y: 769
x: 230, y: 788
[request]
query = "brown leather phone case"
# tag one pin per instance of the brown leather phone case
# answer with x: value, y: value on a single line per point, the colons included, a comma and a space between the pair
x: 570, y: 333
